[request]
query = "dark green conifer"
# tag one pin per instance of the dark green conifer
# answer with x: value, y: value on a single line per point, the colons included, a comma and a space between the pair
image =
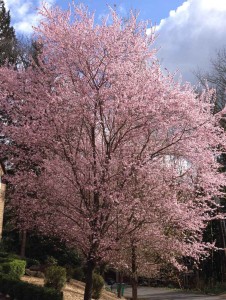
x: 8, y: 40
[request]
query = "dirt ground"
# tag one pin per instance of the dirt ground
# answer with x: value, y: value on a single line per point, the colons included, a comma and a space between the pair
x: 73, y: 290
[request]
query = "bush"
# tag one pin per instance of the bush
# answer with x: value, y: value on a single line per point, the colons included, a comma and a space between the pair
x: 26, y: 291
x: 32, y: 262
x: 55, y: 277
x: 217, y: 288
x: 51, y: 261
x: 78, y: 274
x: 14, y: 268
x: 69, y: 272
x: 98, y: 284
x: 13, y: 256
x: 75, y: 273
x: 4, y: 256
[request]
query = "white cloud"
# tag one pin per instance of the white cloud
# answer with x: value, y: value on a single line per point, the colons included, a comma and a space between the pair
x: 190, y: 36
x: 24, y: 14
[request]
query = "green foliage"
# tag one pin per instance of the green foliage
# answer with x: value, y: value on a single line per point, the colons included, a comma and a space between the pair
x: 51, y: 261
x: 213, y: 268
x: 3, y: 254
x: 98, y: 284
x: 11, y: 266
x: 218, y: 288
x: 10, y: 240
x: 4, y: 260
x: 14, y: 268
x: 49, y: 246
x: 7, y: 257
x: 78, y: 274
x: 75, y: 273
x: 13, y: 256
x: 32, y: 262
x: 55, y: 277
x: 7, y: 37
x: 69, y: 272
x: 20, y: 290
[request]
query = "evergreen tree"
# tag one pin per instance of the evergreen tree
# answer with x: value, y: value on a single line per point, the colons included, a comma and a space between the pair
x: 7, y: 37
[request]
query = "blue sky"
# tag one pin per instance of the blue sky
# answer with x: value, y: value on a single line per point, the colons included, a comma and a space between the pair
x: 153, y: 10
x: 24, y: 11
x: 189, y: 31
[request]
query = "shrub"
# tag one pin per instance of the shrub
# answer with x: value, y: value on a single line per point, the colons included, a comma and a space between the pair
x: 26, y: 291
x: 13, y: 256
x: 74, y: 272
x: 4, y: 256
x: 32, y: 262
x: 14, y: 268
x: 69, y: 272
x: 217, y: 288
x: 51, y: 261
x: 78, y: 274
x: 55, y: 277
x: 98, y: 284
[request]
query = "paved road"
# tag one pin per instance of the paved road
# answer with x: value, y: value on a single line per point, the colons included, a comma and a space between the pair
x: 168, y: 294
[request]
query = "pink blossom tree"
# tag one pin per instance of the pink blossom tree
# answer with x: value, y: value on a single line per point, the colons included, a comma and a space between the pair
x: 167, y: 233
x: 103, y: 144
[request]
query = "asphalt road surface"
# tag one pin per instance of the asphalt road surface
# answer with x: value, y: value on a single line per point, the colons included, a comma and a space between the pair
x: 168, y: 294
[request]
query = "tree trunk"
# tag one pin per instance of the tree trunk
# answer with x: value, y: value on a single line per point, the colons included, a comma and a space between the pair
x: 223, y: 235
x: 23, y: 243
x: 89, y: 280
x: 119, y: 287
x: 134, y: 272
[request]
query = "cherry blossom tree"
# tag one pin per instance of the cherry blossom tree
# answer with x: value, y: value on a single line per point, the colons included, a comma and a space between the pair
x: 104, y: 145
x: 167, y: 233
